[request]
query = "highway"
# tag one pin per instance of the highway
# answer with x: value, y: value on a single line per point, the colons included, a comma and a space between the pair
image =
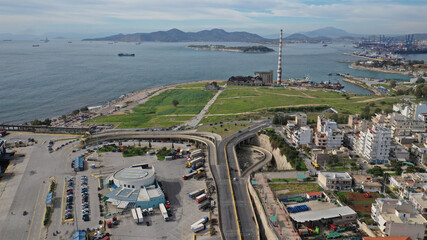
x: 247, y: 224
x: 232, y: 210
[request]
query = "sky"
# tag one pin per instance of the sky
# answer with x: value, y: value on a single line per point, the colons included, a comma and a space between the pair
x: 264, y: 17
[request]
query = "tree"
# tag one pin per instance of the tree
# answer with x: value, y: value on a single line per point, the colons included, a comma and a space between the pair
x: 75, y: 112
x: 84, y: 109
x: 366, y: 112
x: 175, y: 103
x: 376, y: 171
x: 343, y: 198
x: 420, y: 80
x: 393, y: 83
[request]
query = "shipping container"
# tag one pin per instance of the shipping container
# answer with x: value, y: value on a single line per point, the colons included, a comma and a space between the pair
x: 201, y: 198
x: 196, y: 193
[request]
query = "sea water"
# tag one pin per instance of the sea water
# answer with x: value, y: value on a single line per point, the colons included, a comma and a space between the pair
x: 58, y: 77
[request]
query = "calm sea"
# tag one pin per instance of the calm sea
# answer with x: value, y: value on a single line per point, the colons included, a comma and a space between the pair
x: 58, y: 77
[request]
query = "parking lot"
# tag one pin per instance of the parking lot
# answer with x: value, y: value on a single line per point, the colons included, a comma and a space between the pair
x: 26, y: 183
x: 169, y: 173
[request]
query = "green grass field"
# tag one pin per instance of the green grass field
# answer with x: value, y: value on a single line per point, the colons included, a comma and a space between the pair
x: 295, y: 187
x: 224, y: 130
x: 154, y: 113
x: 238, y: 99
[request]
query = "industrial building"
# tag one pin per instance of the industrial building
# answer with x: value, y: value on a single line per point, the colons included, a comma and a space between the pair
x: 267, y: 77
x: 337, y: 216
x: 135, y: 186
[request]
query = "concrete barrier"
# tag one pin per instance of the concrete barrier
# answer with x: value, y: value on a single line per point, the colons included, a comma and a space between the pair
x: 269, y: 231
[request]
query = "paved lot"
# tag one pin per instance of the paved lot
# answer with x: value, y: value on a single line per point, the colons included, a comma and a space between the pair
x: 25, y: 185
x: 185, y: 210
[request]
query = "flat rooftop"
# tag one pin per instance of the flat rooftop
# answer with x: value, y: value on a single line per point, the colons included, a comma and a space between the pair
x: 415, y: 219
x: 314, y: 205
x: 322, y: 214
x: 336, y: 175
x: 130, y: 174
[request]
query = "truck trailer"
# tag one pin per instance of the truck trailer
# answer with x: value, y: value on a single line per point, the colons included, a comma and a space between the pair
x: 134, y: 215
x: 140, y: 216
x: 201, y: 198
x: 164, y: 212
x: 196, y: 193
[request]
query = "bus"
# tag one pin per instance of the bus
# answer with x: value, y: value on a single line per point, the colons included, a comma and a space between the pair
x: 315, y: 165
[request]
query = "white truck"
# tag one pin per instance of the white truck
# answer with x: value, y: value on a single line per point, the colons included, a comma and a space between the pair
x: 164, y: 212
x: 134, y: 215
x: 140, y: 216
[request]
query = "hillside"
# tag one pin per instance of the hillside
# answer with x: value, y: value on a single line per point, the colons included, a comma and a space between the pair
x: 176, y: 35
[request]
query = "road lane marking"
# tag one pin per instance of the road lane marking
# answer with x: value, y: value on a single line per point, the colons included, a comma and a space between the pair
x: 231, y: 187
x: 44, y: 211
x: 34, y: 212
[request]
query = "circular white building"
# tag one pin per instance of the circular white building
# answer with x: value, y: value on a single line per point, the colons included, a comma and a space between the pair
x: 134, y: 177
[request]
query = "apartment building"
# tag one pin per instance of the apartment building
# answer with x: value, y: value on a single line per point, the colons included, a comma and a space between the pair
x: 302, y: 136
x: 420, y: 202
x: 398, y: 218
x: 335, y: 180
x: 327, y: 134
x: 374, y: 144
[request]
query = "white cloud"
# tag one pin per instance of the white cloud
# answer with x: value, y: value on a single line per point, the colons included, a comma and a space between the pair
x: 387, y: 16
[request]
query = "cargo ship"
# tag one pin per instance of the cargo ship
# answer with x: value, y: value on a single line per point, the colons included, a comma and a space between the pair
x: 126, y: 54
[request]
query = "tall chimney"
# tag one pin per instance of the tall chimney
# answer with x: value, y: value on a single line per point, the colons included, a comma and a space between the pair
x: 279, y: 64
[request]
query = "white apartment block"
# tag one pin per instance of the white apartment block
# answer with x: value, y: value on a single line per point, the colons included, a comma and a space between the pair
x: 407, y: 127
x: 420, y: 202
x: 398, y: 218
x: 374, y: 144
x: 335, y: 180
x: 328, y: 135
x: 302, y: 136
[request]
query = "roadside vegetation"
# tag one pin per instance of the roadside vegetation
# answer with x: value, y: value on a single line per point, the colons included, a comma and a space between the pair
x: 291, y: 154
x: 162, y: 153
x: 295, y: 188
x: 249, y: 99
x: 224, y: 130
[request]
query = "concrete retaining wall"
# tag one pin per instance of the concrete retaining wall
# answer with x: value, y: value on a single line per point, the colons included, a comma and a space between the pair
x: 281, y: 161
x: 269, y: 232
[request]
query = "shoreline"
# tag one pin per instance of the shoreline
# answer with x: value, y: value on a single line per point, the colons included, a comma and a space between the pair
x: 353, y: 65
x: 354, y: 55
x: 127, y: 100
x: 359, y: 84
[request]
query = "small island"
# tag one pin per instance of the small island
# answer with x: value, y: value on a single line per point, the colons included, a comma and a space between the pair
x: 241, y: 49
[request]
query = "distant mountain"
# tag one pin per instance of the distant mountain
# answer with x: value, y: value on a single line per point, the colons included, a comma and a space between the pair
x: 297, y: 36
x: 176, y: 35
x: 330, y: 32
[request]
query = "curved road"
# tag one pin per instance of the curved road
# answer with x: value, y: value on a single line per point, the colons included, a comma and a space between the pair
x: 248, y: 228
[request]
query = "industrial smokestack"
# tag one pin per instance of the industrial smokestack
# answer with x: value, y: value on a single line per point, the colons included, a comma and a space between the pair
x: 279, y: 64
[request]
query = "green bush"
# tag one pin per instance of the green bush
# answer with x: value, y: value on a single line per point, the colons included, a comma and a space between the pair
x: 291, y: 154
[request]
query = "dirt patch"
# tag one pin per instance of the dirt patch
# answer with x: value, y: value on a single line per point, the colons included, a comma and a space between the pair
x: 360, y: 203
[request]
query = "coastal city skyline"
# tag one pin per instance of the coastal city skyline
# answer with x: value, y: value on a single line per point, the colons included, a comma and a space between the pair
x: 263, y: 18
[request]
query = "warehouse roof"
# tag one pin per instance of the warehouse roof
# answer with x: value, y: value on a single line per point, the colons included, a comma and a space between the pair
x: 322, y: 214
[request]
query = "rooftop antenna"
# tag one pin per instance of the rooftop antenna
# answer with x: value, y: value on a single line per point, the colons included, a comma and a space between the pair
x: 279, y: 64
